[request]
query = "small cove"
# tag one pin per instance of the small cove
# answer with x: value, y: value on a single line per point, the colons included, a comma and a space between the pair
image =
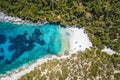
x: 24, y: 43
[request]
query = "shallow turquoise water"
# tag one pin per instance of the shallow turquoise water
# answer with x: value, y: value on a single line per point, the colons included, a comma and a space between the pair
x: 22, y: 44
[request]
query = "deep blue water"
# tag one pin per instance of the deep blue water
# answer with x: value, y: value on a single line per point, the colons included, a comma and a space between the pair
x: 22, y: 44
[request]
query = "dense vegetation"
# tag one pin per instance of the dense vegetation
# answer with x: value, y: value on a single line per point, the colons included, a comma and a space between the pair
x: 89, y: 65
x: 101, y: 18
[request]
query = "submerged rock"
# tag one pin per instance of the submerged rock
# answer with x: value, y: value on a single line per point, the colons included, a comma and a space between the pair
x: 26, y: 43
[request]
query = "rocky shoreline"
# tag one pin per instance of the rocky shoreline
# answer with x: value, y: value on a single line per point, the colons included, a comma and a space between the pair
x: 5, y: 17
x: 17, y: 20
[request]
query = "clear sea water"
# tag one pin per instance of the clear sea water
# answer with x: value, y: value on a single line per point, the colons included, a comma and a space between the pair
x: 23, y: 43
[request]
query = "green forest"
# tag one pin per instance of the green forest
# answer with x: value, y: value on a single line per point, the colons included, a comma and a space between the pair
x: 100, y: 18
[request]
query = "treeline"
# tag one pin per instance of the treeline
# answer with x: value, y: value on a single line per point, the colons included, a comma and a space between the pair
x: 101, y: 18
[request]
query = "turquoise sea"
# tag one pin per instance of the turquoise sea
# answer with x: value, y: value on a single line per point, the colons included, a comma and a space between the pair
x: 24, y: 43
